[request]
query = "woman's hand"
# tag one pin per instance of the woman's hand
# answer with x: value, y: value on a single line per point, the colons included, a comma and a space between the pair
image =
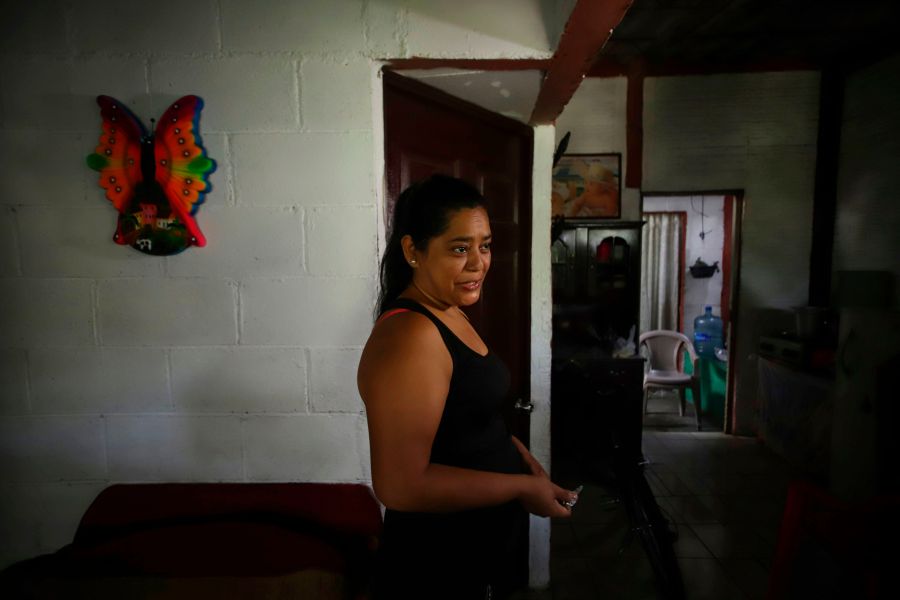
x: 544, y: 498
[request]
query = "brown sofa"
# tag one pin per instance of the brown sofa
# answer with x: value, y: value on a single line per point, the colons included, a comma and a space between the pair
x: 212, y: 540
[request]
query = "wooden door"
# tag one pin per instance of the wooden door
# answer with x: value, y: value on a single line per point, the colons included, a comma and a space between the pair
x: 428, y: 131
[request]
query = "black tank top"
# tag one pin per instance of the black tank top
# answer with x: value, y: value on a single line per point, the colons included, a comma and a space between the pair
x: 471, y: 547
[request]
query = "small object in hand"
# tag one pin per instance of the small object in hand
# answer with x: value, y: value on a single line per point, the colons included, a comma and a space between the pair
x: 570, y: 503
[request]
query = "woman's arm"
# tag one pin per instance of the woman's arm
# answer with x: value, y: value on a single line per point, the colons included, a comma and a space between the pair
x: 404, y: 377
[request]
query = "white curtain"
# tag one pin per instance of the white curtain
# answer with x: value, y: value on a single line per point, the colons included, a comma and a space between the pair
x: 660, y: 271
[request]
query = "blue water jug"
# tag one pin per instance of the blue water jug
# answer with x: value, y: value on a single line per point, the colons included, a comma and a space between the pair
x: 708, y: 334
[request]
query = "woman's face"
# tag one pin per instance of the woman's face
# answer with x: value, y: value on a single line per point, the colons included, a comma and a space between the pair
x: 454, y: 264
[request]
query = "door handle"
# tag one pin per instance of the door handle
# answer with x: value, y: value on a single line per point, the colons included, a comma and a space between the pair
x: 525, y: 406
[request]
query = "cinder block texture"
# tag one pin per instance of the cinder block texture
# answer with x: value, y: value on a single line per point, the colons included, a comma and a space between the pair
x: 98, y: 380
x: 26, y: 179
x: 306, y: 448
x: 41, y: 518
x: 247, y: 380
x: 13, y: 382
x: 39, y: 99
x: 312, y: 26
x: 123, y: 78
x: 595, y: 116
x: 45, y: 312
x: 242, y: 93
x: 148, y: 312
x: 332, y: 380
x: 174, y: 448
x: 750, y: 109
x: 9, y: 249
x: 244, y: 242
x: 342, y: 241
x: 385, y: 26
x: 77, y: 242
x: 336, y: 95
x: 159, y: 27
x: 502, y: 28
x: 307, y: 311
x: 308, y: 169
x: 776, y: 228
x: 37, y: 26
x: 43, y: 449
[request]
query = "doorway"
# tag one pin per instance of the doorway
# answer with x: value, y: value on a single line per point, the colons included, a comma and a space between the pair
x: 428, y: 131
x: 709, y: 241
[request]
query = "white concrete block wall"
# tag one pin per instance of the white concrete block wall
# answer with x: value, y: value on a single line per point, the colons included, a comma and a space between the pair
x: 233, y: 362
x: 129, y: 380
x: 9, y: 247
x: 13, y: 382
x: 331, y: 386
x: 167, y: 447
x: 473, y: 28
x: 52, y: 448
x: 868, y: 214
x: 240, y: 380
x: 37, y: 518
x: 334, y: 168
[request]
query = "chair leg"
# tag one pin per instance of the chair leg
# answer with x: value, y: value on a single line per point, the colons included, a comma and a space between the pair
x: 695, y: 390
x: 681, y: 400
x: 646, y: 397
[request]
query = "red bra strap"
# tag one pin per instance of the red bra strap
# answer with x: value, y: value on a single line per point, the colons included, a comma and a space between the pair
x: 391, y: 313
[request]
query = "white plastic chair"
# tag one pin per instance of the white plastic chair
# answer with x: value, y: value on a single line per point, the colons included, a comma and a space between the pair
x: 666, y: 371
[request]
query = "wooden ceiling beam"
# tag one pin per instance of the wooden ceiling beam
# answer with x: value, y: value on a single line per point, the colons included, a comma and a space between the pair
x: 587, y: 30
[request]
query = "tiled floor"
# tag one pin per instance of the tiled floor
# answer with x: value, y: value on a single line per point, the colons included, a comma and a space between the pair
x: 725, y: 495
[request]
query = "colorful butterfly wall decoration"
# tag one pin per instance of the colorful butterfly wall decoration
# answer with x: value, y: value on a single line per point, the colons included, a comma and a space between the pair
x: 156, y: 180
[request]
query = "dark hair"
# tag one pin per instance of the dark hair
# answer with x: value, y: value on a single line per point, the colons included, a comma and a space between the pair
x: 422, y: 212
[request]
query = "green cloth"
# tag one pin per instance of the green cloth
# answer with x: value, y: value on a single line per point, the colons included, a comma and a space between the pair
x: 713, y: 377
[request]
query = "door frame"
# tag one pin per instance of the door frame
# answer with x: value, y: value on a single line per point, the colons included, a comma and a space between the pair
x: 393, y: 184
x: 731, y: 258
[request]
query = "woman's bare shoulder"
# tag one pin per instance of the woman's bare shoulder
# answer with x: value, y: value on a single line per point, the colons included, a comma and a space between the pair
x: 403, y: 336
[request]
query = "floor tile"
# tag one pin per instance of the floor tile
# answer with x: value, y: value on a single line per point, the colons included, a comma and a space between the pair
x: 688, y: 545
x: 571, y: 579
x: 727, y: 541
x: 724, y: 495
x: 749, y: 575
x: 705, y: 579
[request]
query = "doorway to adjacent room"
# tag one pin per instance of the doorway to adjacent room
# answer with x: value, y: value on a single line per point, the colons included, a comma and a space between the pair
x: 690, y: 261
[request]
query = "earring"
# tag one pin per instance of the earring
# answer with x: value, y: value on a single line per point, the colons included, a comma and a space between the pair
x: 412, y: 261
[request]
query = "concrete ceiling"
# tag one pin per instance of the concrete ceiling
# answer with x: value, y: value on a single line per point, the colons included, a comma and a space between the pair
x: 510, y: 93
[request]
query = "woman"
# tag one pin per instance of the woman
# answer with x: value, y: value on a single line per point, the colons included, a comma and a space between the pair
x: 452, y: 479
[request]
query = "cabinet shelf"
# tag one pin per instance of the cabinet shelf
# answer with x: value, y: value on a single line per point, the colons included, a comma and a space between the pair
x: 597, y: 265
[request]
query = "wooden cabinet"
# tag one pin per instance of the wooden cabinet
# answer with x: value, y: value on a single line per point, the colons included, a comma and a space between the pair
x: 597, y: 280
x: 596, y: 397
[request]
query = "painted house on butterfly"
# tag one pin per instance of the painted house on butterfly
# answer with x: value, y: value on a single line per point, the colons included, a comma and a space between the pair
x: 236, y: 362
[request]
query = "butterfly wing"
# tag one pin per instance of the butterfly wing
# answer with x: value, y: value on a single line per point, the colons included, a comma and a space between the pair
x: 182, y: 167
x: 118, y: 154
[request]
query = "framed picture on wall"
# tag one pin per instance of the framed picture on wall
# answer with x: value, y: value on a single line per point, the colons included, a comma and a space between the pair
x: 587, y: 186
